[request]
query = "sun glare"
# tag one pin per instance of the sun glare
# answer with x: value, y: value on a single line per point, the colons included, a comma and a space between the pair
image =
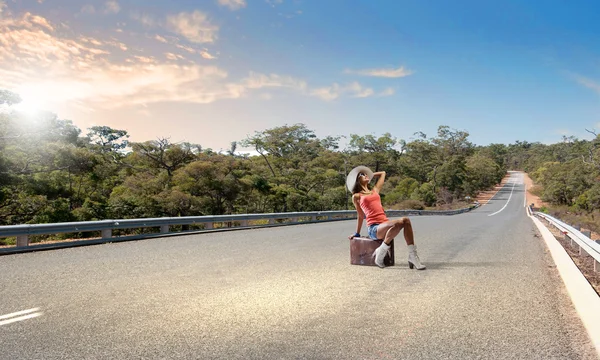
x: 31, y: 101
x: 28, y: 107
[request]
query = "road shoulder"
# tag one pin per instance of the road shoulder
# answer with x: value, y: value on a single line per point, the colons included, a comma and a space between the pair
x: 585, y: 300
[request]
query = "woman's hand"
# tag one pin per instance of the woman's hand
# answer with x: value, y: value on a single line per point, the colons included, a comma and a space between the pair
x: 353, y: 236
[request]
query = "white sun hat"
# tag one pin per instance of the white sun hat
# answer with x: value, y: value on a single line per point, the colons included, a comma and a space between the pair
x: 352, y: 176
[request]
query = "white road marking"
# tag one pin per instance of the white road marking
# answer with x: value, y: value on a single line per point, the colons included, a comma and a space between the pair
x: 18, y: 313
x: 19, y: 316
x: 511, y: 192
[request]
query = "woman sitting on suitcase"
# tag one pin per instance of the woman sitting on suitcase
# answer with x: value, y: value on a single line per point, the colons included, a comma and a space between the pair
x: 368, y: 205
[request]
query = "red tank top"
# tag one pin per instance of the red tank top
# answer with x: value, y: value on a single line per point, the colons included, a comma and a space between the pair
x: 371, y: 206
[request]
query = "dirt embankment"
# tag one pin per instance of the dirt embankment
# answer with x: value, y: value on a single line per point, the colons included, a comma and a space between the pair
x: 532, y: 199
x: 484, y: 196
x: 538, y: 203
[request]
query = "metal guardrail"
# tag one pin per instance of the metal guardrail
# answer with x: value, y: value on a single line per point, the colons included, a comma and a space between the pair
x: 106, y: 227
x: 575, y: 236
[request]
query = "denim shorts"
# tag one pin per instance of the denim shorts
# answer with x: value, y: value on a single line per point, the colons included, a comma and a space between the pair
x: 372, y: 229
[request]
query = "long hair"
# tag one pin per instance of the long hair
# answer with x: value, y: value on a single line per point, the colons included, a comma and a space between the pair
x: 357, y: 187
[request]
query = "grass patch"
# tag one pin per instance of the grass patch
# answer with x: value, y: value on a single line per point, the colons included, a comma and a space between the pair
x: 8, y: 241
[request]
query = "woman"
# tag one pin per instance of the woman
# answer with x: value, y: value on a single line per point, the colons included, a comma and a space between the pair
x: 368, y: 205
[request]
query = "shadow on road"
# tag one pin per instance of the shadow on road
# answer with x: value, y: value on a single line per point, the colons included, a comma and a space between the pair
x: 450, y: 265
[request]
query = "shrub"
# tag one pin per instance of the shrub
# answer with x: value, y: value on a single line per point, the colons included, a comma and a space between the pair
x: 409, y: 205
x: 536, y: 190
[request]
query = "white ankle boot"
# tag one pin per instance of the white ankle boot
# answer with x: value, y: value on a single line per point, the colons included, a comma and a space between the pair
x: 380, y: 254
x: 413, y: 258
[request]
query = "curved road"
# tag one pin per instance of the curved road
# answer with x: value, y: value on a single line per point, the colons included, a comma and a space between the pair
x: 491, y: 291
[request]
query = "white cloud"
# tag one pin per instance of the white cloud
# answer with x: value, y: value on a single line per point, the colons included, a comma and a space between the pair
x: 90, y: 40
x: 356, y: 90
x: 172, y: 56
x: 160, y: 39
x: 327, y: 93
x: 588, y: 83
x: 144, y: 19
x: 334, y: 91
x: 383, y: 72
x: 112, y: 7
x: 233, y: 4
x: 117, y: 44
x: 186, y: 48
x: 145, y: 59
x: 37, y: 61
x: 206, y: 55
x: 2, y: 6
x: 195, y: 27
x: 88, y: 9
x: 203, y: 53
x: 38, y: 20
x: 259, y: 81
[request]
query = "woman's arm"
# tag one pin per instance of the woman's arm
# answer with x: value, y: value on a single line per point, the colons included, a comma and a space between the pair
x: 380, y: 181
x: 361, y: 215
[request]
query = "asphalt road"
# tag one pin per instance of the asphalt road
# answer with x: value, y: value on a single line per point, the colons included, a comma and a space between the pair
x: 490, y: 291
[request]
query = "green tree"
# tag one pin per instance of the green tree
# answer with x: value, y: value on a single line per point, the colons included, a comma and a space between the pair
x: 379, y: 153
x: 163, y: 155
x: 214, y: 181
x: 107, y: 139
x: 482, y: 173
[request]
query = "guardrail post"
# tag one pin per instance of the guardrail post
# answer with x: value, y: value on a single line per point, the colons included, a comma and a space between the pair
x: 295, y: 219
x: 164, y: 229
x: 208, y: 226
x: 271, y: 221
x: 313, y: 218
x: 244, y: 223
x: 106, y: 233
x: 22, y: 240
x: 567, y: 237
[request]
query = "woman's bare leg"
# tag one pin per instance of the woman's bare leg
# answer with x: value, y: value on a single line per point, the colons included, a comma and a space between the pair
x: 387, y: 231
x: 409, y: 236
x: 390, y: 229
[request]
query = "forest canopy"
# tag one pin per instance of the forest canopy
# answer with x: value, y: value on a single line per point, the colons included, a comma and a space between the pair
x: 52, y: 171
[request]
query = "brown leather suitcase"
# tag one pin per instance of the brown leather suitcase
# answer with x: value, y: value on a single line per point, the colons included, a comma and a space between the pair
x: 361, y: 252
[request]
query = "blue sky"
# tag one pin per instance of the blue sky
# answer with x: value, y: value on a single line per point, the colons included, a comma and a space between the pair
x: 212, y: 72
